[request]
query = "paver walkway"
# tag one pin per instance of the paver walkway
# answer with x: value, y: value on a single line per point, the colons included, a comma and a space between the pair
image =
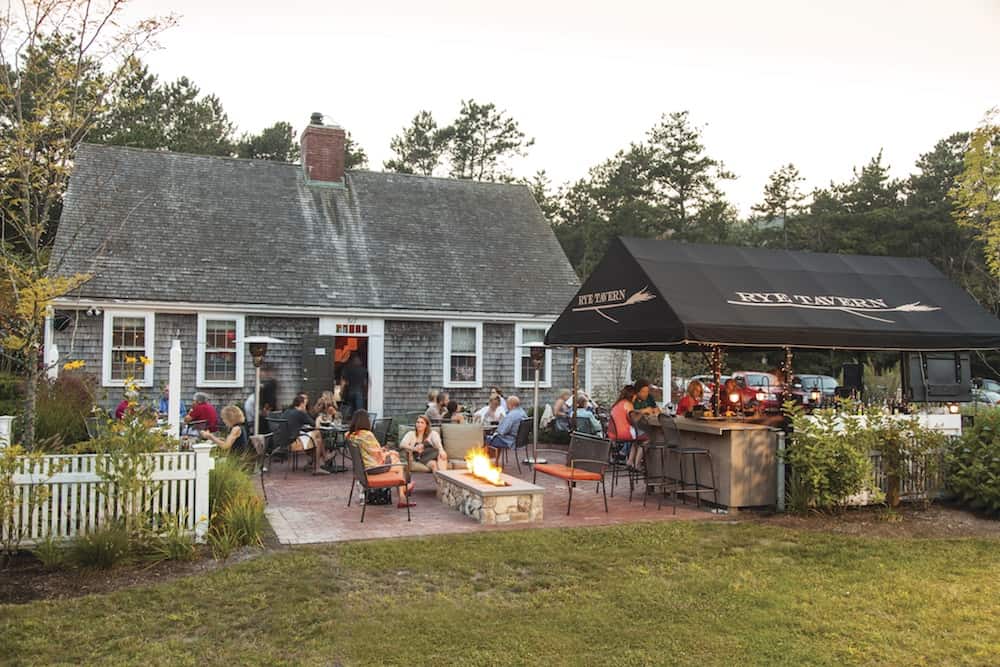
x: 306, y: 509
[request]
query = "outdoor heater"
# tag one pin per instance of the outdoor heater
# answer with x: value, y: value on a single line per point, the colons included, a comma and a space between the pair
x: 258, y: 349
x: 537, y: 351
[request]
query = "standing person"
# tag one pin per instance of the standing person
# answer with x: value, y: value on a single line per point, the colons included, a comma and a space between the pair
x: 356, y: 381
x: 425, y: 445
x: 506, y: 434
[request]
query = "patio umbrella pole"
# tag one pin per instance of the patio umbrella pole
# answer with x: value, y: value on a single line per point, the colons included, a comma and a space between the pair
x: 256, y: 402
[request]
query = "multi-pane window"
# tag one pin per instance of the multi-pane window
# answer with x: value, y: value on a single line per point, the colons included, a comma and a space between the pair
x: 526, y: 334
x: 127, y: 348
x: 463, y: 354
x: 220, y: 350
x: 128, y: 344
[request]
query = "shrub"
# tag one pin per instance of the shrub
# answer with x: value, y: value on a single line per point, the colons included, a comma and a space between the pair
x: 50, y: 552
x: 973, y: 464
x: 227, y: 481
x: 62, y: 410
x: 829, y: 459
x: 104, y: 548
x: 11, y: 394
x: 244, y: 517
x: 174, y: 542
x: 223, y: 542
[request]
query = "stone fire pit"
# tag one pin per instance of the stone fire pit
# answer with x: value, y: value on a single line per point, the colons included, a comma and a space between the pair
x: 518, y: 502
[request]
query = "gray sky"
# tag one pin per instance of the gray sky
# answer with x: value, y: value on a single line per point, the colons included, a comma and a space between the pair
x: 822, y: 84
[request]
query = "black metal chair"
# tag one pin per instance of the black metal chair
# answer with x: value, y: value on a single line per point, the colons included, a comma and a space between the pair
x: 585, y: 426
x: 587, y: 460
x: 381, y: 428
x: 396, y: 475
x: 281, y: 442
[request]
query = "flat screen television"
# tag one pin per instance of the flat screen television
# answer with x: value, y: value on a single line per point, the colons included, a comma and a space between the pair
x: 937, y: 377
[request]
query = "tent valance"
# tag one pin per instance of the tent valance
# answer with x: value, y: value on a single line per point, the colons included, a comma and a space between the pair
x: 664, y: 295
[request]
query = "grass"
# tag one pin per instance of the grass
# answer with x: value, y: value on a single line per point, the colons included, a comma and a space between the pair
x: 679, y: 593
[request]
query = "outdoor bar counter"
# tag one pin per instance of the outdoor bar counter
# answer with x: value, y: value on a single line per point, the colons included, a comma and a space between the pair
x: 744, y: 456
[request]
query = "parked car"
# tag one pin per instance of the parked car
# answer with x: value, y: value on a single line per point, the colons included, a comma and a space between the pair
x: 803, y: 387
x: 985, y: 396
x: 759, y: 388
x: 987, y: 384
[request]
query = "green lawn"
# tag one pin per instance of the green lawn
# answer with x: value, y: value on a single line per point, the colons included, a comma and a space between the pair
x: 680, y: 593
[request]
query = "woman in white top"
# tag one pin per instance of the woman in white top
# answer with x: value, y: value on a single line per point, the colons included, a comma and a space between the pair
x: 425, y: 445
x: 491, y: 413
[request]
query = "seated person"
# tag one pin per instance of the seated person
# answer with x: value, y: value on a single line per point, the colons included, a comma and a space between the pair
x: 432, y: 398
x: 127, y: 405
x: 425, y: 446
x: 454, y: 413
x: 436, y: 412
x: 692, y: 398
x: 373, y: 454
x: 583, y: 411
x: 495, y: 391
x: 237, y: 440
x: 624, y: 429
x: 325, y: 410
x: 301, y: 428
x: 490, y: 413
x: 562, y: 406
x: 725, y: 404
x: 506, y: 434
x: 163, y: 406
x: 201, y: 411
x: 644, y: 401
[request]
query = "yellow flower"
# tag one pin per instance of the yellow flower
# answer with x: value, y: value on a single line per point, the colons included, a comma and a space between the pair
x: 130, y: 360
x: 73, y: 365
x: 202, y: 518
x: 145, y: 361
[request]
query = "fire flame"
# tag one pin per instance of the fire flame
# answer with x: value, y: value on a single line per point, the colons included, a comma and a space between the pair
x: 478, y: 462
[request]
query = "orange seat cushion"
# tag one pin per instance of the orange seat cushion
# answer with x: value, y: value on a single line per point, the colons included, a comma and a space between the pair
x: 385, y: 480
x: 565, y: 472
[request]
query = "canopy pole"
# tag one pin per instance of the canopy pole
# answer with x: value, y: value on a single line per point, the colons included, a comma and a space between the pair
x: 717, y: 378
x: 576, y: 384
x: 786, y: 368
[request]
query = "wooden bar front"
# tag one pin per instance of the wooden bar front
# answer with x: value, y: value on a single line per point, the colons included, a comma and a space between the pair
x: 744, y: 456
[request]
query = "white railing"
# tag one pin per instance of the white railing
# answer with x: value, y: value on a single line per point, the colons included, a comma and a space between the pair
x: 77, y: 502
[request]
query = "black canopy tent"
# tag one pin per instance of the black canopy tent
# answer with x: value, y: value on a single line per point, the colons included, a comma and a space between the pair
x: 669, y: 296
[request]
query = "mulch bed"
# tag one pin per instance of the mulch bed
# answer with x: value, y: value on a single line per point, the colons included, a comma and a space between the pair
x: 26, y: 580
x: 909, y: 521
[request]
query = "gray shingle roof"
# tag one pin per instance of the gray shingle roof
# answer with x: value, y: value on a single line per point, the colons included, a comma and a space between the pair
x: 163, y: 226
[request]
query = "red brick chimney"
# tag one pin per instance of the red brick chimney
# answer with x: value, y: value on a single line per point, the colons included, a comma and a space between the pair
x: 323, y: 151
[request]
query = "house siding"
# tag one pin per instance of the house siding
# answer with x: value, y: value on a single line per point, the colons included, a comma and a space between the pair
x: 83, y: 339
x: 414, y: 364
x: 413, y: 360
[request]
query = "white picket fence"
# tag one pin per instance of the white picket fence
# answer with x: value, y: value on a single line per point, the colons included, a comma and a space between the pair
x: 76, y: 502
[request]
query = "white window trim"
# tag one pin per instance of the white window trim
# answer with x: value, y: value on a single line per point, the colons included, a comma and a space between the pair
x: 544, y: 382
x: 147, y: 378
x: 203, y: 345
x: 446, y: 367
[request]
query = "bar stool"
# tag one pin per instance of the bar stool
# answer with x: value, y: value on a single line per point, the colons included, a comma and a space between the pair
x: 672, y: 442
x: 616, y: 459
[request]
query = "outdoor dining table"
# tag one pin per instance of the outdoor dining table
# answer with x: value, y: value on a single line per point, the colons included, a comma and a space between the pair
x: 336, y: 433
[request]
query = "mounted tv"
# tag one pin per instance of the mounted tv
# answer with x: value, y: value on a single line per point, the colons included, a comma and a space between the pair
x: 937, y: 376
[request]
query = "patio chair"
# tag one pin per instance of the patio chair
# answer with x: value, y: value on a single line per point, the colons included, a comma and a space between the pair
x: 587, y: 460
x: 585, y: 426
x: 521, y: 439
x: 397, y: 476
x: 619, y: 448
x: 380, y: 427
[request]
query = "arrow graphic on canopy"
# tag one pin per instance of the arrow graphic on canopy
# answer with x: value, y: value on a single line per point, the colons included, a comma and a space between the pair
x: 639, y: 297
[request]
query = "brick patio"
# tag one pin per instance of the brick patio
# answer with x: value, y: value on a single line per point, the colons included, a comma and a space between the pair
x: 307, y: 509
